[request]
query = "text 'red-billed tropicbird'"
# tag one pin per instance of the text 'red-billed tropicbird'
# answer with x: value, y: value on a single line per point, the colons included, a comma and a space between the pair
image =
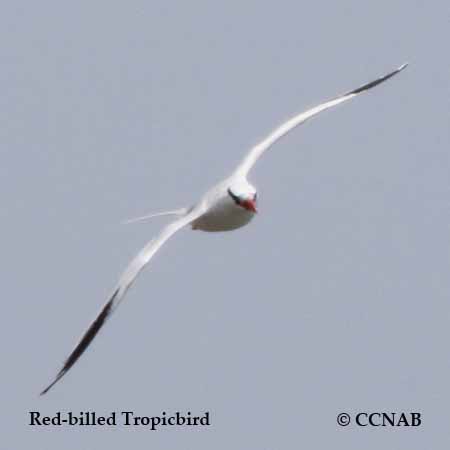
x: 228, y: 205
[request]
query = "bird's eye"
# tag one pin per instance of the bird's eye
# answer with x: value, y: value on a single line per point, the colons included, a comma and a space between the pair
x: 255, y: 196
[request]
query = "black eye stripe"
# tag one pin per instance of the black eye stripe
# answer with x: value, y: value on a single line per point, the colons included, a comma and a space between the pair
x: 235, y: 198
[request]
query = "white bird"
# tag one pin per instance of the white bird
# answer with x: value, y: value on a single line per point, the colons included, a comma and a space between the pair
x: 228, y: 205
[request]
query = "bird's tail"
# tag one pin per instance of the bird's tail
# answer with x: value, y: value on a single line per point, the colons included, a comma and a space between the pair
x: 175, y: 212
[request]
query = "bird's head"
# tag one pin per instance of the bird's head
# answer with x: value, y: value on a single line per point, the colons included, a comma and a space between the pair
x: 244, y: 196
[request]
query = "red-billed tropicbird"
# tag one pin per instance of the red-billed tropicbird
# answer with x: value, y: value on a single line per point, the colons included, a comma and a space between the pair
x: 228, y: 205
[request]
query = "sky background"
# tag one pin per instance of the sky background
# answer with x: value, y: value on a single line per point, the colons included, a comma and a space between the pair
x: 334, y: 299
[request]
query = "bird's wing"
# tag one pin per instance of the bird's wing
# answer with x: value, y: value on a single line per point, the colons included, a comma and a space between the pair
x: 253, y: 155
x: 125, y: 281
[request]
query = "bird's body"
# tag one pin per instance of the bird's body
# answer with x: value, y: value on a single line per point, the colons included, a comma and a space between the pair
x: 223, y: 216
x: 221, y: 212
x: 229, y: 205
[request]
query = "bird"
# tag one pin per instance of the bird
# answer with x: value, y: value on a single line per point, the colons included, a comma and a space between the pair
x: 230, y: 204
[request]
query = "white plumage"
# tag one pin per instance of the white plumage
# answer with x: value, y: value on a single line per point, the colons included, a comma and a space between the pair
x: 229, y: 205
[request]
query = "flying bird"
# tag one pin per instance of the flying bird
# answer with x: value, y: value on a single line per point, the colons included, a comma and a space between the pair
x: 230, y: 204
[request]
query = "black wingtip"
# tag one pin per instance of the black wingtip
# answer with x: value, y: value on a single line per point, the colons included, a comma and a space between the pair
x: 84, y: 342
x: 50, y: 385
x: 378, y: 81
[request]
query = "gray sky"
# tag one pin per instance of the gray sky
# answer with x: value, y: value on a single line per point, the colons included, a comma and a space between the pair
x: 335, y: 299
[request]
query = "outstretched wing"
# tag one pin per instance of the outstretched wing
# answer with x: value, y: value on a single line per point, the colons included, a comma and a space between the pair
x: 250, y: 159
x: 125, y: 281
